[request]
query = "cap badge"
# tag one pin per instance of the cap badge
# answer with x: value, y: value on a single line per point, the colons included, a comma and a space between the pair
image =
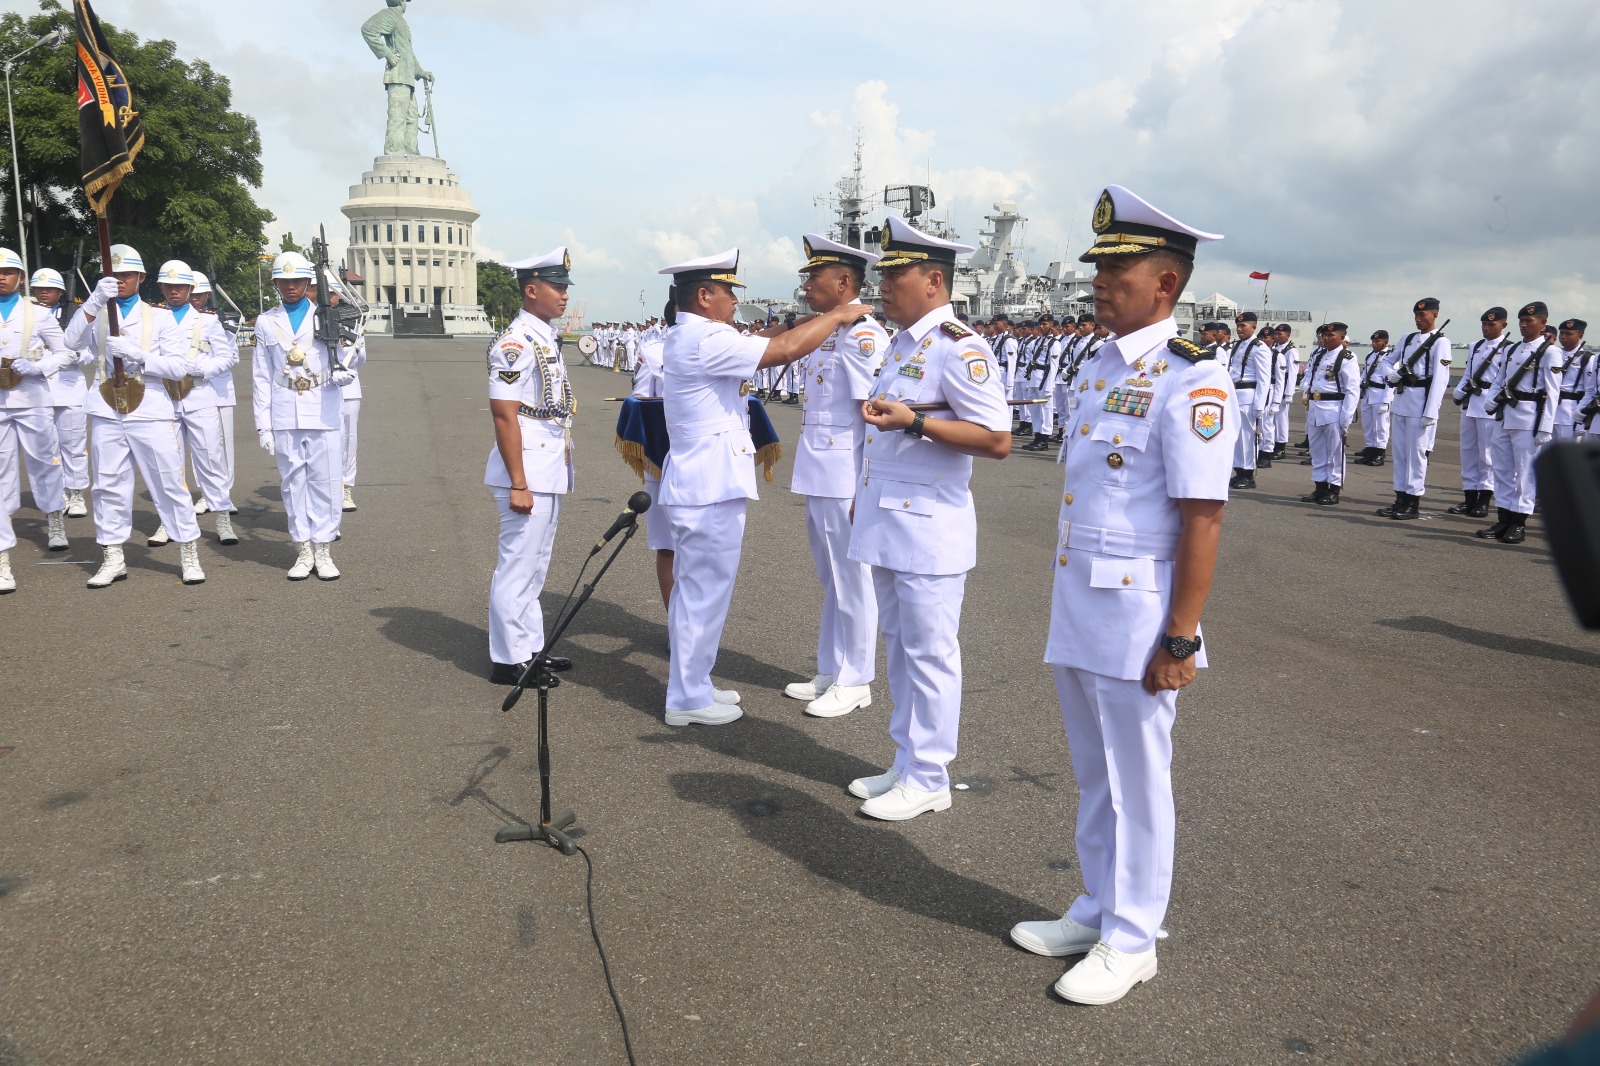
x: 1104, y: 211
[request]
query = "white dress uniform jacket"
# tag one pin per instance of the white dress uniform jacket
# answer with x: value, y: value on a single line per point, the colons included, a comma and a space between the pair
x: 706, y: 365
x: 211, y: 349
x: 525, y: 365
x: 838, y: 378
x: 280, y: 399
x: 1529, y: 374
x: 152, y: 330
x: 1574, y: 370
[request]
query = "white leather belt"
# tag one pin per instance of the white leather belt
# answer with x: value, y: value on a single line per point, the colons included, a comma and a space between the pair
x: 707, y: 427
x: 909, y: 473
x: 1121, y: 542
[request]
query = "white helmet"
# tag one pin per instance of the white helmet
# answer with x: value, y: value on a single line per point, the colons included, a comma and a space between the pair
x: 124, y: 260
x: 45, y: 278
x: 201, y: 284
x: 293, y: 266
x: 10, y: 260
x: 175, y: 272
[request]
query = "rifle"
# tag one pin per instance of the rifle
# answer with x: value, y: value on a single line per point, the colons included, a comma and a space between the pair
x: 1408, y: 379
x: 1475, y: 384
x: 230, y: 321
x: 1506, y: 398
x: 336, y: 323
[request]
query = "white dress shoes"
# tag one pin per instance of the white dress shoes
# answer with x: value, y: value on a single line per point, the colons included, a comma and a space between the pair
x: 870, y: 787
x: 716, y: 714
x: 902, y: 802
x: 1106, y: 975
x: 1055, y: 939
x: 725, y: 697
x: 840, y: 700
x: 809, y: 690
x: 303, y: 562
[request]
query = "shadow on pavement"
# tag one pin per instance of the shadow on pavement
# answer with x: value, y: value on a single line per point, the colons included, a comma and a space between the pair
x: 464, y: 646
x: 1537, y: 649
x: 873, y: 860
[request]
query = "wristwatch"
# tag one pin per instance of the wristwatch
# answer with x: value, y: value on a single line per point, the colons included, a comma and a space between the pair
x: 915, y: 428
x: 1180, y: 647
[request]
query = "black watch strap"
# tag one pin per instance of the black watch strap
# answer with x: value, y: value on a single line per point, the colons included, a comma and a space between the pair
x: 915, y: 428
x: 1180, y: 647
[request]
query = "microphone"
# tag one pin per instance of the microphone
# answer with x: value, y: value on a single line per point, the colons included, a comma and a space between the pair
x: 638, y: 504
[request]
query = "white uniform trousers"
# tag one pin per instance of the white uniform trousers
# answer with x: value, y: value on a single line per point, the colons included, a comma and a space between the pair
x: 921, y: 619
x: 1327, y: 453
x: 707, y: 541
x: 1044, y: 418
x: 1411, y: 441
x: 8, y: 536
x: 32, y: 431
x: 847, y: 638
x: 1513, y: 451
x: 225, y: 415
x: 1244, y: 450
x: 1282, y: 434
x: 1267, y: 429
x: 349, y: 415
x: 156, y: 451
x: 72, y: 436
x: 1120, y: 739
x: 1477, y: 465
x: 657, y: 520
x: 313, y: 496
x: 1564, y: 431
x: 1375, y: 425
x: 516, y: 621
x: 202, y: 432
x: 10, y: 502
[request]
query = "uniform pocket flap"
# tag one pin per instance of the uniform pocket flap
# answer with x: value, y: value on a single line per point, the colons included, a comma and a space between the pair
x: 824, y: 438
x: 1122, y: 433
x: 1138, y: 575
x: 907, y: 498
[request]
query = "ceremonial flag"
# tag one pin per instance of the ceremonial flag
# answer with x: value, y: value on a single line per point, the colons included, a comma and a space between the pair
x: 109, y: 132
x: 1259, y: 278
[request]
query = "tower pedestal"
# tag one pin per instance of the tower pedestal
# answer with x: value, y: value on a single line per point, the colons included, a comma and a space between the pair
x: 411, y: 246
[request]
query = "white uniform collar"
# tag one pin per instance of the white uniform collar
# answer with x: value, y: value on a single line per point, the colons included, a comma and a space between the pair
x: 537, y: 324
x: 924, y: 325
x: 1141, y: 341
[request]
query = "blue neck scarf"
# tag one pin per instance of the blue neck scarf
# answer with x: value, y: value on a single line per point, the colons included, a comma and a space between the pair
x: 179, y: 311
x: 297, y: 313
x: 8, y: 304
x: 126, y: 304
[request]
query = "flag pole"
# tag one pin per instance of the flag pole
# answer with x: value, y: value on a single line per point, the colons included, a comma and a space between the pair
x: 119, y: 375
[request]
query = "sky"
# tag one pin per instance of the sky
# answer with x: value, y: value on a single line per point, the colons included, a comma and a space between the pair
x: 1365, y: 152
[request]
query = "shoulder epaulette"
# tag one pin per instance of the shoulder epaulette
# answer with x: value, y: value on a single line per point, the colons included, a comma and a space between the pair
x: 1189, y: 350
x: 955, y: 331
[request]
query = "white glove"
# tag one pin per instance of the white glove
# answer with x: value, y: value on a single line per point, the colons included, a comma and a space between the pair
x: 104, y: 291
x: 26, y: 368
x: 267, y: 444
x: 126, y: 350
x: 191, y: 367
x: 341, y: 378
x: 1429, y: 423
x: 1541, y: 439
x: 1392, y: 377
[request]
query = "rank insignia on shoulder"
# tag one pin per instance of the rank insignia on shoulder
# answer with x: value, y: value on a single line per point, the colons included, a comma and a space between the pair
x: 1194, y: 353
x: 510, y: 377
x: 955, y: 331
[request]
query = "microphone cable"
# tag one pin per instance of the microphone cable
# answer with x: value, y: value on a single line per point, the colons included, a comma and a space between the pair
x: 605, y: 966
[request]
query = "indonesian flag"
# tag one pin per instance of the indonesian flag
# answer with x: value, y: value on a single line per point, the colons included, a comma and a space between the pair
x: 1259, y: 278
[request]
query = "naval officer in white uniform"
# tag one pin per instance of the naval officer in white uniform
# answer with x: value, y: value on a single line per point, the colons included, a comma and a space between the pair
x: 1148, y: 455
x: 1419, y: 370
x: 530, y: 467
x: 710, y: 471
x: 1333, y: 389
x: 68, y: 394
x: 827, y: 468
x: 658, y: 525
x: 915, y: 524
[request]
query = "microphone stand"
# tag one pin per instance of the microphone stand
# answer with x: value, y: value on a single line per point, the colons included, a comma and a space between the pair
x: 540, y: 675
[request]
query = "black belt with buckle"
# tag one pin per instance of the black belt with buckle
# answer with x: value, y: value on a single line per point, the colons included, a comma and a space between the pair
x: 1327, y: 395
x: 1244, y: 384
x: 1565, y: 395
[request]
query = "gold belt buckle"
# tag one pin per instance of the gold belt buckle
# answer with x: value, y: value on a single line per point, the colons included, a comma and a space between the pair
x: 302, y: 385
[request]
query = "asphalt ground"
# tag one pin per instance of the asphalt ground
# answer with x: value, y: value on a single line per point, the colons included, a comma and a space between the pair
x: 252, y: 821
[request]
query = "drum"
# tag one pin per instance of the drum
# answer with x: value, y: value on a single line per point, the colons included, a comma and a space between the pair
x: 587, y: 344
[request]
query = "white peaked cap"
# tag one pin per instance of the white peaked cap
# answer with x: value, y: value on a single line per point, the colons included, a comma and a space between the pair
x: 292, y: 266
x: 201, y: 283
x: 820, y: 251
x: 124, y: 260
x: 1127, y: 224
x: 724, y: 267
x: 175, y: 272
x: 904, y: 244
x: 554, y: 267
x: 45, y: 278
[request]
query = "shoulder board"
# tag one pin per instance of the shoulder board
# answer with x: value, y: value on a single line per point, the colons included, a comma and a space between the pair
x: 955, y: 331
x: 1189, y: 350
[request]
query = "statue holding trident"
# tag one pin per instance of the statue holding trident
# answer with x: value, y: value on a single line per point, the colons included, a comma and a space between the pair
x: 389, y: 37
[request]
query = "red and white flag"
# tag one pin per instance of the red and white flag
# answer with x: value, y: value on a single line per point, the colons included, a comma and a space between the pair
x: 1259, y: 278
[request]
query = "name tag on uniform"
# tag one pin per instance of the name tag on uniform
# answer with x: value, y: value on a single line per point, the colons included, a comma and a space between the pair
x: 1133, y: 402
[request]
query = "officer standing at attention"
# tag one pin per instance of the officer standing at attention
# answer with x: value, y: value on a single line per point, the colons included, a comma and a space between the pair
x: 1419, y: 370
x: 1250, y: 364
x: 297, y: 399
x: 1575, y: 358
x: 647, y: 379
x: 1478, y: 427
x: 1333, y: 382
x: 710, y: 473
x: 1526, y: 385
x: 1141, y: 517
x: 827, y: 468
x: 530, y: 467
x: 68, y: 393
x: 914, y: 520
x: 1376, y: 395
x: 208, y: 352
x: 221, y: 385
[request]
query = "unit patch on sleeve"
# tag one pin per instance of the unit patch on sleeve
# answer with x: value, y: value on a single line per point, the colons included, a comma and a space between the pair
x: 955, y: 331
x: 977, y: 368
x: 1206, y: 420
x: 510, y: 377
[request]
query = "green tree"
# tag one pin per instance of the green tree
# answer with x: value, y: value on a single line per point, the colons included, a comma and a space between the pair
x: 497, y: 292
x: 288, y: 244
x: 190, y: 194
